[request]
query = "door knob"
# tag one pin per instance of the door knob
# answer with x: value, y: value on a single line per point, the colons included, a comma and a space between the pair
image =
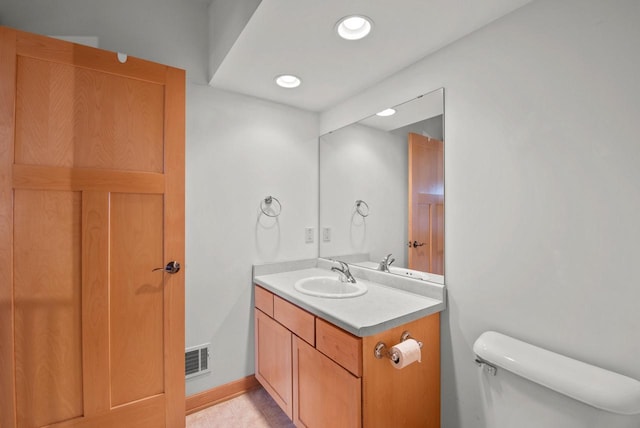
x: 171, y: 267
x: 415, y: 244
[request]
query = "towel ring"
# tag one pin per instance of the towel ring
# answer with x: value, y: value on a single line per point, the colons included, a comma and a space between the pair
x: 362, y: 208
x: 266, y: 205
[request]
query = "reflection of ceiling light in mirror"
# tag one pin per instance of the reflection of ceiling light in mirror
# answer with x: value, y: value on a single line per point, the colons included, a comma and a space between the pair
x: 386, y: 112
x: 354, y: 27
x: 288, y: 81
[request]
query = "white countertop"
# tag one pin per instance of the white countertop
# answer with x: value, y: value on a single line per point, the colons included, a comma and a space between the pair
x: 381, y: 308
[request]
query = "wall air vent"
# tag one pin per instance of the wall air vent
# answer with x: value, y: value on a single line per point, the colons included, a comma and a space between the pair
x: 196, y: 360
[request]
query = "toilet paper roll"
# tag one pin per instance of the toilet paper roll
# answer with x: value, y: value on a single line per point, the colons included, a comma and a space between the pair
x: 407, y: 352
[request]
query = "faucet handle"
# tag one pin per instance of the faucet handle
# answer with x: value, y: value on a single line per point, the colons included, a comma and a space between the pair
x: 343, y: 265
x: 385, y: 263
x: 344, y: 272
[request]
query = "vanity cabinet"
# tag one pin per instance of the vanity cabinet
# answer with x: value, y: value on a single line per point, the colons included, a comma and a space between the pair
x: 322, y: 375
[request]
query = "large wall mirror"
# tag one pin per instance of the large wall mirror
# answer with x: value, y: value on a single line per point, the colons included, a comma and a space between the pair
x: 382, y: 190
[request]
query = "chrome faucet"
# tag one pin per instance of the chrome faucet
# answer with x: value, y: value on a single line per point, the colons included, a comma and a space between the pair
x: 385, y: 263
x: 343, y: 271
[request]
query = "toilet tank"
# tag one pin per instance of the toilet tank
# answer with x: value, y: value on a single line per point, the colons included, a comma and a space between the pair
x: 525, y: 386
x: 510, y: 401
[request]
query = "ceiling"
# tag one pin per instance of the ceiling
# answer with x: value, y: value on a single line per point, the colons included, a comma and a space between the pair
x: 412, y: 111
x: 298, y: 37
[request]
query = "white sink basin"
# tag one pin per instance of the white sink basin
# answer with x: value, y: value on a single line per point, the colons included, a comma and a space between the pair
x: 327, y: 286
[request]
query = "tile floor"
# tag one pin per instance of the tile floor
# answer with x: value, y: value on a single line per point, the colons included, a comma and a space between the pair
x: 255, y: 409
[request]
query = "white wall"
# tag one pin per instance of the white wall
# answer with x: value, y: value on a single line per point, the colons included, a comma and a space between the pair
x: 239, y: 150
x: 542, y: 193
x: 360, y: 162
x: 170, y: 32
x: 227, y: 19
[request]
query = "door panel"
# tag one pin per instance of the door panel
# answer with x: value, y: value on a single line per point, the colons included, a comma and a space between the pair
x: 48, y: 328
x: 421, y: 212
x: 136, y: 297
x: 437, y: 240
x: 91, y: 200
x: 71, y: 116
x: 428, y: 228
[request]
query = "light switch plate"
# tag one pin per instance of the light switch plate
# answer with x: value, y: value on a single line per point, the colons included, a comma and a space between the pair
x: 308, y: 235
x: 326, y: 234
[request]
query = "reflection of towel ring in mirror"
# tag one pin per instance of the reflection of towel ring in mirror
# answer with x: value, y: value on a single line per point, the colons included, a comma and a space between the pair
x: 266, y: 206
x: 362, y: 208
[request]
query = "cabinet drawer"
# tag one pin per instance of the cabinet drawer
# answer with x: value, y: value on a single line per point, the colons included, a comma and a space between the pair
x: 264, y: 300
x: 300, y: 322
x: 342, y: 347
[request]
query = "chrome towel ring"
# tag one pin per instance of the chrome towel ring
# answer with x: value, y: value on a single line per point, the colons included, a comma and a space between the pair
x: 271, y: 206
x: 362, y: 208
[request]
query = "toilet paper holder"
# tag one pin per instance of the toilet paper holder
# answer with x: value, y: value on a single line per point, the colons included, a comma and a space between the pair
x: 381, y: 350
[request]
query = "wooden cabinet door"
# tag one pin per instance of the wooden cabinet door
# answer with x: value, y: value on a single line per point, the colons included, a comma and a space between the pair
x: 426, y: 204
x: 324, y: 394
x: 91, y: 200
x: 273, y: 360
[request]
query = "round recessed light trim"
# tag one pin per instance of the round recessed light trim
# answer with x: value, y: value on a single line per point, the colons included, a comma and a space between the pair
x: 354, y: 27
x: 288, y: 81
x: 386, y: 112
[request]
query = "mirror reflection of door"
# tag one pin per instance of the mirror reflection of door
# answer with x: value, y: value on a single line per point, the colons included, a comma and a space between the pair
x: 426, y: 204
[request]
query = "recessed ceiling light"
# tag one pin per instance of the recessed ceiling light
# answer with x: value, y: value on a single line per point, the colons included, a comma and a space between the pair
x: 386, y: 112
x: 288, y: 81
x: 354, y: 27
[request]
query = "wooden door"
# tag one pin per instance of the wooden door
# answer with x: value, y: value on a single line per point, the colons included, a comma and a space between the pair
x: 426, y: 204
x: 91, y: 200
